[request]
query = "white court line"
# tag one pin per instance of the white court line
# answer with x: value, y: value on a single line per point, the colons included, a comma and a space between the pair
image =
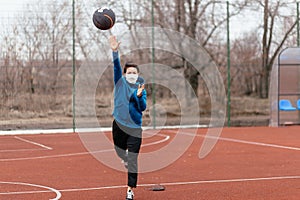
x: 34, y: 143
x: 49, y: 189
x: 20, y: 150
x: 41, y: 131
x: 241, y: 141
x: 167, y: 137
x: 234, y: 180
x: 87, y: 130
x: 55, y: 156
x: 274, y: 178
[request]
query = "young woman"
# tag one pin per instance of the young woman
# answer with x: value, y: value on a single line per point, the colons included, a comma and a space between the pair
x: 130, y: 100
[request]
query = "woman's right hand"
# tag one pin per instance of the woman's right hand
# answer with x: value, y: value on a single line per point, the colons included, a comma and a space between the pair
x: 114, y: 44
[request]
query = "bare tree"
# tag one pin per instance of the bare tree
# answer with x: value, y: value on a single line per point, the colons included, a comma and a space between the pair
x: 197, y: 19
x: 35, y: 49
x: 12, y: 76
x: 246, y: 65
x: 47, y: 39
x: 272, y: 41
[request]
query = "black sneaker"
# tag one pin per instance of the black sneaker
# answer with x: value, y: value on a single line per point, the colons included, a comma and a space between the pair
x: 129, y: 195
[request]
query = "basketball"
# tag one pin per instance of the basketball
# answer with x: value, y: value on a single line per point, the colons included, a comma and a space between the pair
x: 104, y: 18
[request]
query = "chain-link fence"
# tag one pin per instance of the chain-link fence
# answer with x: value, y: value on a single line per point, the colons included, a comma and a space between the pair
x: 39, y: 60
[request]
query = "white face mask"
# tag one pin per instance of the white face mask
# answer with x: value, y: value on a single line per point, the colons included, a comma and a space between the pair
x: 131, y: 78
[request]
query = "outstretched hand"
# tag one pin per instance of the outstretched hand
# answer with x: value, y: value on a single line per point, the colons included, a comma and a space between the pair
x: 114, y: 44
x: 140, y: 90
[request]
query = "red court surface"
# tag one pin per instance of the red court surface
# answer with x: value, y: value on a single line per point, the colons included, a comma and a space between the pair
x: 246, y: 163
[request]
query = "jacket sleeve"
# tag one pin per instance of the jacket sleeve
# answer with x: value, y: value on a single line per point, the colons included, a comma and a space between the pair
x: 141, y: 101
x: 117, y: 67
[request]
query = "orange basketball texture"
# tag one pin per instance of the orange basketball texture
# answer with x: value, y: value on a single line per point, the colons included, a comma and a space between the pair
x: 104, y: 18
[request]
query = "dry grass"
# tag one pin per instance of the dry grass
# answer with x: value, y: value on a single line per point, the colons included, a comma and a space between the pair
x: 38, y: 111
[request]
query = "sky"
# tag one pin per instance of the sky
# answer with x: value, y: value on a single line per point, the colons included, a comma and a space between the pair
x: 9, y: 7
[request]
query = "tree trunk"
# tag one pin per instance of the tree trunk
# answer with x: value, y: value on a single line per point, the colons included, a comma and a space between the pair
x: 264, y: 78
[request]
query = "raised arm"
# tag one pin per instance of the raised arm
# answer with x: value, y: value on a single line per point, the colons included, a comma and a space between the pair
x: 114, y: 45
x: 117, y: 67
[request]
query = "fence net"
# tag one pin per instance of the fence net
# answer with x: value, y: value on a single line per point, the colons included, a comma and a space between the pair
x: 39, y: 69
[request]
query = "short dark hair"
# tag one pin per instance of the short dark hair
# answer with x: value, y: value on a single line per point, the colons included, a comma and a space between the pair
x: 131, y: 64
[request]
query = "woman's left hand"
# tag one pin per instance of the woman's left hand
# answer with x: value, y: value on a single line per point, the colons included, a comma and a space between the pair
x: 140, y: 90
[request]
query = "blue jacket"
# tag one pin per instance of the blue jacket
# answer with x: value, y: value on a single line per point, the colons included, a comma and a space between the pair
x: 128, y: 107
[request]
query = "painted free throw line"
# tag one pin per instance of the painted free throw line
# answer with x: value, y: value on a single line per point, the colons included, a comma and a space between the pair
x: 274, y: 178
x: 34, y: 143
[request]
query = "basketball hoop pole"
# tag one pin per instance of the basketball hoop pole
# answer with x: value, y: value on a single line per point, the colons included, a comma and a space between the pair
x: 228, y: 69
x: 298, y: 34
x: 153, y: 68
x: 73, y: 67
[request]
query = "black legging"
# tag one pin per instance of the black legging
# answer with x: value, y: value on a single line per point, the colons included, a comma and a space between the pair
x: 130, y: 139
